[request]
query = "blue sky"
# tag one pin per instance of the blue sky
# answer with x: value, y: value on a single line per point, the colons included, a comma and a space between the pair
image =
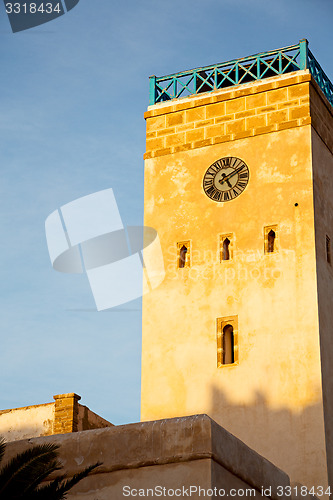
x: 73, y: 94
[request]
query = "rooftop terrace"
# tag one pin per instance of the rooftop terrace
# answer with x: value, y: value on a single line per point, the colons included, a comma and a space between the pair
x: 240, y: 71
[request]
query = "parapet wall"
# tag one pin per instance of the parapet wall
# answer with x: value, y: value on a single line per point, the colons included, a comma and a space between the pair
x: 65, y: 415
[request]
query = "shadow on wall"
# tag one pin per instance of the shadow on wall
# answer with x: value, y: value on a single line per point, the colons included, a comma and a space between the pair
x: 291, y: 440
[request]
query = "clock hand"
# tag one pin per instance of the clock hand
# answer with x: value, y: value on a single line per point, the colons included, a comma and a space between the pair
x: 226, y: 179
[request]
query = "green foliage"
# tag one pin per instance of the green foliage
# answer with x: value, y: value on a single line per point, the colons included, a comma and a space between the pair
x: 21, y: 477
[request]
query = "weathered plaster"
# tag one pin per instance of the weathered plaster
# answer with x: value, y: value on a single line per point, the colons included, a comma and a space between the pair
x: 27, y: 422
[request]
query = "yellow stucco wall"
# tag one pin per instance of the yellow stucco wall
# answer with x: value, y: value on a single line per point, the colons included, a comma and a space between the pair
x: 272, y: 397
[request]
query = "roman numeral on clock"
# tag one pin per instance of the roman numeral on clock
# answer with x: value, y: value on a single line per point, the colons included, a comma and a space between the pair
x: 214, y: 169
x: 237, y: 163
x: 211, y: 191
x: 233, y: 193
x: 208, y: 182
x: 214, y: 193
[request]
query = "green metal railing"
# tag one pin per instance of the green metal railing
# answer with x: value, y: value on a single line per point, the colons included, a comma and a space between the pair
x: 239, y: 71
x: 320, y: 76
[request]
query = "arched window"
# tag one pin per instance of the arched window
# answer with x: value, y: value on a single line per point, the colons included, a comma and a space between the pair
x: 226, y: 246
x: 270, y: 241
x: 225, y: 252
x: 182, y: 256
x: 227, y: 341
x: 228, y: 345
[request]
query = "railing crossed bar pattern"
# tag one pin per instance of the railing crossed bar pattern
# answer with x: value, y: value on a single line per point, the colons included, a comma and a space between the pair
x: 239, y: 71
x: 320, y: 76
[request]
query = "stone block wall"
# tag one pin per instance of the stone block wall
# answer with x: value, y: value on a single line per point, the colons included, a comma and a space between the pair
x: 227, y: 115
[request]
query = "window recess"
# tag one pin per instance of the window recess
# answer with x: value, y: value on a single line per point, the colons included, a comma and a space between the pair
x: 183, y: 254
x: 227, y: 341
x: 271, y: 239
x: 226, y: 247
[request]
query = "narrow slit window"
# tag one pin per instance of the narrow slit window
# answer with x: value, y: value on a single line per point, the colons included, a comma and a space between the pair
x: 328, y: 249
x: 183, y: 254
x: 270, y: 234
x: 228, y: 345
x: 226, y: 247
x: 226, y: 252
x: 227, y: 341
x: 270, y: 241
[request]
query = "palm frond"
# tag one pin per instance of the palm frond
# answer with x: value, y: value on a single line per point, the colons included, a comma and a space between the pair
x: 2, y: 447
x: 21, y: 477
x: 41, y: 474
x: 25, y: 469
x: 67, y: 485
x: 47, y: 492
x: 56, y: 490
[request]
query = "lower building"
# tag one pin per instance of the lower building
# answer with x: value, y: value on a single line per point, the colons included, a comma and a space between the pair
x: 64, y: 415
x: 180, y: 457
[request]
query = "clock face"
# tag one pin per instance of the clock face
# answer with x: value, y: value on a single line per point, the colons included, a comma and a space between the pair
x: 226, y: 179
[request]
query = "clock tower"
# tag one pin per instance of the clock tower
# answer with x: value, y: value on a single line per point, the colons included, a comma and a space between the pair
x: 239, y: 186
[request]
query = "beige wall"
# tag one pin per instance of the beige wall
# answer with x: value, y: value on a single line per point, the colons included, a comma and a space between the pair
x: 176, y: 453
x: 272, y: 398
x: 28, y: 422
